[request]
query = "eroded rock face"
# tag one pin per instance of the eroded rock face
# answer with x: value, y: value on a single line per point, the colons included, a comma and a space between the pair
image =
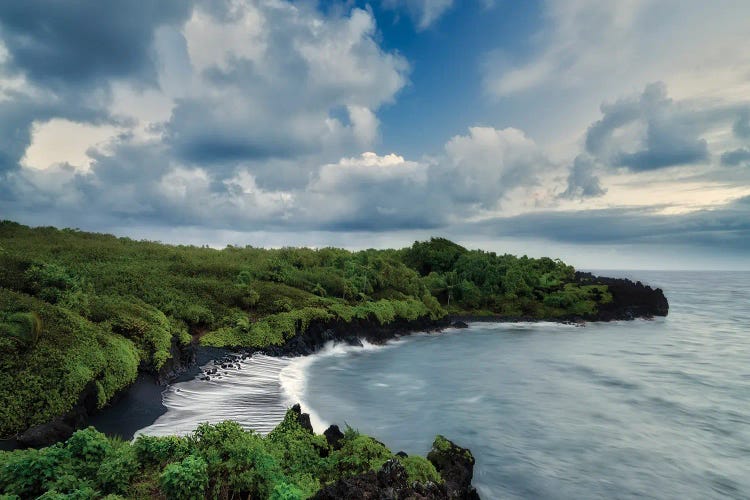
x: 391, y: 482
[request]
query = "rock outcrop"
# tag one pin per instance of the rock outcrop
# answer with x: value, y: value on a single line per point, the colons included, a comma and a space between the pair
x: 630, y: 300
x: 391, y: 482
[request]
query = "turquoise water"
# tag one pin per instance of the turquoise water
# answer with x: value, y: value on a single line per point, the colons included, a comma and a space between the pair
x: 654, y: 409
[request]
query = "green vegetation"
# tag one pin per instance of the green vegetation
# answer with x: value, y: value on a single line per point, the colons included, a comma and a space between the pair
x: 83, y: 311
x: 220, y: 461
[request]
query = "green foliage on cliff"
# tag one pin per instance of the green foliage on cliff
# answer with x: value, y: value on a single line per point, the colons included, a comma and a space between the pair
x: 219, y: 461
x: 86, y: 311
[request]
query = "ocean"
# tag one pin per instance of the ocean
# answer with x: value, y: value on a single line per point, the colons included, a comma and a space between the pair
x: 647, y: 408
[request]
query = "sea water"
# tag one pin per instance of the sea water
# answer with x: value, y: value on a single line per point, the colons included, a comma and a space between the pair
x: 647, y: 409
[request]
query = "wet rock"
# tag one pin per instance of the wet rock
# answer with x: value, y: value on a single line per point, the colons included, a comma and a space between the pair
x: 353, y: 341
x: 455, y: 465
x: 459, y: 324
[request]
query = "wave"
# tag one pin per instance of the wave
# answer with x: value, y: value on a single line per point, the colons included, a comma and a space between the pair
x: 255, y: 392
x: 294, y: 376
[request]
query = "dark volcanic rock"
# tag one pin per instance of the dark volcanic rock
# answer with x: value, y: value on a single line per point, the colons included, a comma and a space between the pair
x: 389, y: 483
x: 455, y: 465
x: 459, y: 324
x: 334, y: 436
x: 317, y: 333
x: 182, y: 358
x: 630, y: 299
x: 303, y: 418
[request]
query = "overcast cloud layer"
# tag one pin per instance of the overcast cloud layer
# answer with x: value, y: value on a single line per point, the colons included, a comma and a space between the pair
x: 191, y: 121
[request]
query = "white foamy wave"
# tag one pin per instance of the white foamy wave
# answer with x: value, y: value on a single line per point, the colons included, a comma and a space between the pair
x: 294, y: 379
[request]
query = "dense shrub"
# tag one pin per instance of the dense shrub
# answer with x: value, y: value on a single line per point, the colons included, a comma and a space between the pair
x: 420, y: 469
x: 154, y: 451
x: 220, y: 461
x: 185, y: 480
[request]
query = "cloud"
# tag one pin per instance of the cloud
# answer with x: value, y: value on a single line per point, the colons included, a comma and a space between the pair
x: 60, y: 60
x: 274, y: 78
x: 272, y: 86
x: 741, y: 127
x: 590, y: 45
x: 19, y: 111
x: 372, y: 192
x: 647, y: 133
x: 484, y: 166
x: 145, y: 184
x: 582, y: 181
x: 737, y: 157
x: 423, y: 12
x: 253, y: 116
x: 59, y: 44
x: 726, y: 228
x: 580, y: 37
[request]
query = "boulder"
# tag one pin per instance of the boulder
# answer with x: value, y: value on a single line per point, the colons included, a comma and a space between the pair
x: 303, y: 418
x: 334, y: 436
x: 456, y: 467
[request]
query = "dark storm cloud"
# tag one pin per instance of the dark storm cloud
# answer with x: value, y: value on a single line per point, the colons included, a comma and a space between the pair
x: 68, y: 53
x: 741, y: 127
x: 737, y: 157
x: 663, y: 133
x: 80, y: 42
x: 201, y: 131
x: 726, y: 227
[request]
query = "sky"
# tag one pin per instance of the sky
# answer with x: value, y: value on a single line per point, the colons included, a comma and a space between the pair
x: 614, y: 135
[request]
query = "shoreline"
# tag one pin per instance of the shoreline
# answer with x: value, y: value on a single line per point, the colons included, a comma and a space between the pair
x: 146, y: 405
x: 631, y: 300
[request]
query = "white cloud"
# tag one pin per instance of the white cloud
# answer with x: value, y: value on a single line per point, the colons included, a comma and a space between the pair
x: 423, y: 12
x: 488, y: 163
x: 63, y: 141
x: 587, y: 52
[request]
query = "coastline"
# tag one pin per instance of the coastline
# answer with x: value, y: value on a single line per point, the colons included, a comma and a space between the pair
x: 631, y: 300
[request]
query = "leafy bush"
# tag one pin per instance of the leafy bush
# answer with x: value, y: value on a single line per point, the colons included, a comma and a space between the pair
x: 420, y: 469
x: 153, y: 451
x: 88, y: 448
x: 220, y: 461
x: 118, y: 469
x: 286, y: 491
x: 185, y: 480
x: 358, y: 454
x: 25, y: 328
